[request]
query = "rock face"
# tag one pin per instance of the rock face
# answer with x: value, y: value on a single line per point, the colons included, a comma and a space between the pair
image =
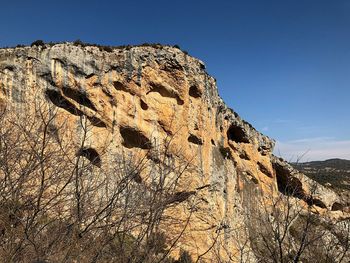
x: 333, y: 173
x: 133, y: 98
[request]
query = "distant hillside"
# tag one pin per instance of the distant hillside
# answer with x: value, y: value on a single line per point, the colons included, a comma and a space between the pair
x: 334, y: 173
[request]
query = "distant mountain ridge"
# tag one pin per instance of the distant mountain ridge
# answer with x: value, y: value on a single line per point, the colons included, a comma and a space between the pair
x: 333, y: 163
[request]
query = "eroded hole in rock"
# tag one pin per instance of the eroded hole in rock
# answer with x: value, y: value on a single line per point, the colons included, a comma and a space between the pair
x: 225, y: 152
x: 106, y: 91
x: 9, y: 67
x: 287, y: 184
x: 180, y: 197
x: 337, y: 207
x: 78, y: 96
x: 212, y: 142
x: 133, y: 138
x: 194, y: 139
x: 120, y: 86
x: 57, y: 99
x: 252, y: 177
x: 237, y: 134
x: 90, y: 76
x: 90, y: 154
x: 243, y: 155
x: 254, y: 180
x: 164, y: 92
x: 264, y: 170
x: 195, y: 92
x: 95, y: 121
x: 316, y: 202
x: 292, y: 186
x: 144, y: 105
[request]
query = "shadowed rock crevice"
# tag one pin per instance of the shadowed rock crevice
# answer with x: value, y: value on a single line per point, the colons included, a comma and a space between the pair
x: 90, y: 76
x: 287, y: 184
x: 292, y: 186
x: 316, y: 202
x: 144, y: 105
x: 243, y: 155
x: 194, y: 139
x: 195, y: 92
x: 120, y: 86
x: 337, y: 207
x: 78, y: 96
x: 180, y: 197
x: 225, y: 152
x: 57, y: 99
x: 90, y: 154
x: 8, y: 67
x: 107, y: 92
x: 133, y: 138
x: 248, y: 175
x: 164, y: 92
x: 96, y: 121
x: 264, y: 170
x: 165, y: 128
x: 237, y: 134
x: 46, y: 76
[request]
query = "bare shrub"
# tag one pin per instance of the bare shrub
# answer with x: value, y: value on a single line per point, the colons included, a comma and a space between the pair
x: 59, y: 203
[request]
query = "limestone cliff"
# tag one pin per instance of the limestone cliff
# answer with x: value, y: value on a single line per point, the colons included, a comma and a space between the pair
x: 133, y: 97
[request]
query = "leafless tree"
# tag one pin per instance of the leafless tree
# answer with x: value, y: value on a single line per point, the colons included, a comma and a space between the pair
x: 283, y: 228
x: 59, y: 203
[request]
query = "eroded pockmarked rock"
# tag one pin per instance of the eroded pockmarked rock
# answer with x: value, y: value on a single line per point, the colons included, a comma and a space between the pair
x: 134, y: 98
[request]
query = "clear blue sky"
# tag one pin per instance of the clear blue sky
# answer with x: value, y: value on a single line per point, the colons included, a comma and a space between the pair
x: 284, y: 66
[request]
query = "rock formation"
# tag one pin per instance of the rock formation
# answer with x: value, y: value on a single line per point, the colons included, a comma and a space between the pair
x: 133, y: 98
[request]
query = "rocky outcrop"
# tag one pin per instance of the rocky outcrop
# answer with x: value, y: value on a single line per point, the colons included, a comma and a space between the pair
x: 332, y: 173
x: 291, y: 181
x: 136, y: 96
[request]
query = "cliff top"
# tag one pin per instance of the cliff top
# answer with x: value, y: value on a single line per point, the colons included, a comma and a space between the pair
x: 88, y: 58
